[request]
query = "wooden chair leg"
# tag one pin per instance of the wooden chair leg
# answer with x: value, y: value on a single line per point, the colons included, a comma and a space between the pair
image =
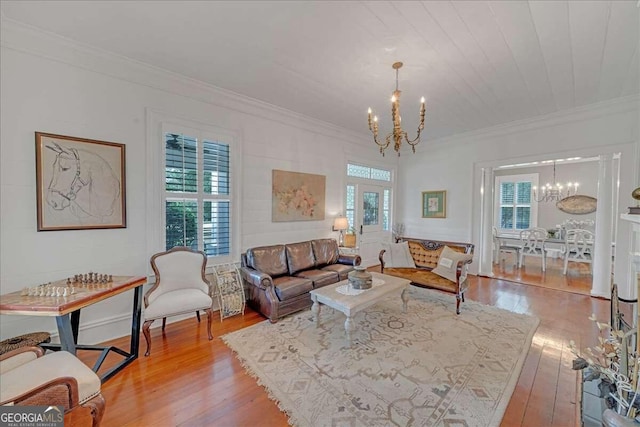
x: 147, y: 335
x: 198, y: 315
x: 96, y: 405
x: 164, y: 323
x: 209, y: 312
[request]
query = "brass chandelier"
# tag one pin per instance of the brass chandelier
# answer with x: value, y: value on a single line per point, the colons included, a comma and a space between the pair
x: 398, y: 135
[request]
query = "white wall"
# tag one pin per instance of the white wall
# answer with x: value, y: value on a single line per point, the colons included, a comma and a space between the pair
x: 49, y: 84
x: 586, y: 173
x: 454, y: 164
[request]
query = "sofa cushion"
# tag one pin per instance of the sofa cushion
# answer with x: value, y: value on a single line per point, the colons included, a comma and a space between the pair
x: 325, y: 251
x: 300, y: 257
x: 423, y: 277
x: 271, y: 260
x: 398, y: 255
x: 341, y: 269
x: 448, y: 263
x: 319, y: 278
x: 289, y: 287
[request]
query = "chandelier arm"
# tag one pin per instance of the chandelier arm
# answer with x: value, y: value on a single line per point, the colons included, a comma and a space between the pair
x: 382, y: 144
x: 414, y: 141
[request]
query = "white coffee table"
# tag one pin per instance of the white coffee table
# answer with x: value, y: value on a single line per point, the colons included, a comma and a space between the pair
x: 383, y: 285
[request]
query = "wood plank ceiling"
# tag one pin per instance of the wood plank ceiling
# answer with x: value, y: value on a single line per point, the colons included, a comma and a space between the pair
x: 478, y: 63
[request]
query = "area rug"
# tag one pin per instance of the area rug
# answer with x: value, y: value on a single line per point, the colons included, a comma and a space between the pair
x: 428, y: 367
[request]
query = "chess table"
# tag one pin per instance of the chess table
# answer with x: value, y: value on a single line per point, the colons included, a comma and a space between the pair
x: 66, y: 310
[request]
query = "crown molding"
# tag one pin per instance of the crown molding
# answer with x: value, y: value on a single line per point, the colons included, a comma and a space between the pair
x: 585, y: 112
x: 24, y: 38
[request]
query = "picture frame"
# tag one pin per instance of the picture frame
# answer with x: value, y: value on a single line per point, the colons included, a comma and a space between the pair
x: 297, y: 196
x: 434, y: 204
x: 80, y: 183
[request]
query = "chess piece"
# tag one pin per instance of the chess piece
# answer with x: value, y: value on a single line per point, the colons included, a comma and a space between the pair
x: 68, y: 281
x: 110, y: 278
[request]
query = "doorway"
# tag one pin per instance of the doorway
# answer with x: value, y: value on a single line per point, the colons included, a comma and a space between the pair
x: 577, y: 279
x: 525, y: 197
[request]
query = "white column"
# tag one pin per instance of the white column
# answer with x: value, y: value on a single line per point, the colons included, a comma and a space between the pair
x: 601, y: 285
x: 486, y: 240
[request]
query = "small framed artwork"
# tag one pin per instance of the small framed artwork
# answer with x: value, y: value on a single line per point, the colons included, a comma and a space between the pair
x: 80, y: 183
x: 434, y: 204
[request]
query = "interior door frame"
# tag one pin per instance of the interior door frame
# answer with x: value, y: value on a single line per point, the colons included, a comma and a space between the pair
x: 483, y: 206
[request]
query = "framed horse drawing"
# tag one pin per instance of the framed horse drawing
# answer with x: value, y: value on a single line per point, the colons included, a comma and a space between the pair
x: 80, y: 183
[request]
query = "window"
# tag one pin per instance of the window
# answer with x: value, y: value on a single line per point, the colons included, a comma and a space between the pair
x: 366, y: 172
x: 350, y: 210
x: 197, y: 193
x: 514, y: 207
x: 385, y: 209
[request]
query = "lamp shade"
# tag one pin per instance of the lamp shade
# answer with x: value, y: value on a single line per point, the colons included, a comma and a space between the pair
x: 340, y: 223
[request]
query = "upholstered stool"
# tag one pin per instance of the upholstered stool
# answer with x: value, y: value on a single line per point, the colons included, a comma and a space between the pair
x: 56, y: 379
x: 26, y: 340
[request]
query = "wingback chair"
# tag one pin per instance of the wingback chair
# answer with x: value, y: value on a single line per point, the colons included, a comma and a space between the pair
x: 180, y: 288
x: 28, y: 377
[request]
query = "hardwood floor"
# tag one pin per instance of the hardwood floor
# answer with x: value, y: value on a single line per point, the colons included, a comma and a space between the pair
x: 190, y: 381
x: 578, y: 278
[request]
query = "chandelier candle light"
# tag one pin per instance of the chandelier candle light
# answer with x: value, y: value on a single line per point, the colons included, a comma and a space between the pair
x: 555, y: 192
x: 398, y: 134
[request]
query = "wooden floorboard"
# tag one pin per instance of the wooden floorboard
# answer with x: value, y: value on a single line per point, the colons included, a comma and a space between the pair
x: 577, y: 280
x: 191, y: 381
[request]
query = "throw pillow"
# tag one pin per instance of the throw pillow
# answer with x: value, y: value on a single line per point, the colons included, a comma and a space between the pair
x: 398, y: 255
x: 448, y: 262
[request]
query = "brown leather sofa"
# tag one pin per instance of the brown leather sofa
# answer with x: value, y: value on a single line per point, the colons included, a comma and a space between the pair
x: 278, y: 278
x: 425, y: 254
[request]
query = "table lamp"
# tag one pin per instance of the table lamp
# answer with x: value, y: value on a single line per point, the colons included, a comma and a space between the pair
x: 340, y: 224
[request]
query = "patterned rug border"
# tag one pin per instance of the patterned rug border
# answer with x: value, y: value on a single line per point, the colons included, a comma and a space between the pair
x: 498, y: 414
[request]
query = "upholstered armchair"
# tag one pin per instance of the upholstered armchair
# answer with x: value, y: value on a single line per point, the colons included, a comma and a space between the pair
x: 180, y: 288
x: 28, y: 377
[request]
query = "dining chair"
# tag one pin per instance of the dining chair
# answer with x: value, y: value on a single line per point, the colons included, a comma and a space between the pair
x: 533, y: 245
x: 499, y: 246
x: 180, y: 288
x: 578, y: 247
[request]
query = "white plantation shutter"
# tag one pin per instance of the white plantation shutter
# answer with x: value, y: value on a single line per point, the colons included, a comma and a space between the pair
x: 197, y: 194
x: 515, y: 208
